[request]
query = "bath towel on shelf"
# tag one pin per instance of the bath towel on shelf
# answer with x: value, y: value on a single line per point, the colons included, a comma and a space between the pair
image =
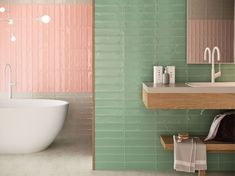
x: 216, y: 124
x: 189, y: 155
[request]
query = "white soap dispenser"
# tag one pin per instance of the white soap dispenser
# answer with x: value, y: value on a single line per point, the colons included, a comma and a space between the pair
x: 157, y: 74
x: 165, y: 77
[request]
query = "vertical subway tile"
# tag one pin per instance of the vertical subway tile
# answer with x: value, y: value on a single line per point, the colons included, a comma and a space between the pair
x: 44, y: 55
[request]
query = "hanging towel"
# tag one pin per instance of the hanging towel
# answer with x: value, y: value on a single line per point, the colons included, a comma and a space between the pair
x: 184, y: 155
x: 200, y: 161
x: 189, y: 155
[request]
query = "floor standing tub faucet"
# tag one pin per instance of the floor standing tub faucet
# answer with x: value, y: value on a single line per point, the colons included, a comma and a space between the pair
x: 10, y: 82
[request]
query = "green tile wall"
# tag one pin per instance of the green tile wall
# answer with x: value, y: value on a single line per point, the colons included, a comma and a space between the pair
x: 130, y: 37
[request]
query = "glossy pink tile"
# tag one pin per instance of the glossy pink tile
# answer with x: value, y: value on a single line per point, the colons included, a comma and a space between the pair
x: 54, y: 57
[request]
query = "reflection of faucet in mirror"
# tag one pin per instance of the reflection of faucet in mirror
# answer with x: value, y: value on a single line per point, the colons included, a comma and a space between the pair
x: 211, y: 59
x: 10, y: 83
x: 210, y: 23
x: 207, y: 50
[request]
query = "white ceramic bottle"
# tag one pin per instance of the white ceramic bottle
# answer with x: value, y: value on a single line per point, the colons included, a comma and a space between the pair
x: 157, y: 74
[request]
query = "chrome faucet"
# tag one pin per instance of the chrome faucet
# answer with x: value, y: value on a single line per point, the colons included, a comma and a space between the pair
x: 10, y: 82
x: 211, y: 59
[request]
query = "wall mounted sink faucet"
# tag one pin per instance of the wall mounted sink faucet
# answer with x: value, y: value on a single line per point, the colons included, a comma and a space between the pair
x: 10, y: 82
x: 211, y: 59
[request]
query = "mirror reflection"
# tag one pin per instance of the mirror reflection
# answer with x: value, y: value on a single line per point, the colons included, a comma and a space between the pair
x: 210, y: 24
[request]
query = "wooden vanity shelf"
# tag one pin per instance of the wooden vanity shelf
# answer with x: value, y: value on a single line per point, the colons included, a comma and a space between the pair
x: 211, y: 147
x: 181, y: 96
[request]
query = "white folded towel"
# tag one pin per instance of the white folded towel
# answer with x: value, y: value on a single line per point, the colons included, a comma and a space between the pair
x: 189, y: 155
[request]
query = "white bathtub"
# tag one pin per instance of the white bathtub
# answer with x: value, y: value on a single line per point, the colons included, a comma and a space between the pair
x: 30, y: 125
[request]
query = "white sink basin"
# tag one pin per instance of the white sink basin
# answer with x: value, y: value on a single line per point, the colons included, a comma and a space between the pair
x: 209, y: 84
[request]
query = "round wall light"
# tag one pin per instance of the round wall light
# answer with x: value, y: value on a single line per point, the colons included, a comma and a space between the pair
x: 45, y: 19
x: 2, y: 9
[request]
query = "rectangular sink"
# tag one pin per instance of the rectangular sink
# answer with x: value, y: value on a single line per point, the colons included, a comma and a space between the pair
x: 209, y: 84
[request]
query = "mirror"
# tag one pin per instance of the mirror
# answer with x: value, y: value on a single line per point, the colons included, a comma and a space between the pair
x: 210, y: 23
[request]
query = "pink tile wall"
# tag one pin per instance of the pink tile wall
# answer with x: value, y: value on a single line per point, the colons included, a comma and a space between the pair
x: 54, y: 57
x: 210, y: 33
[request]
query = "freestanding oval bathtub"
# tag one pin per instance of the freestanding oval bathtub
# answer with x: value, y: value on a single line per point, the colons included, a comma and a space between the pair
x: 30, y: 125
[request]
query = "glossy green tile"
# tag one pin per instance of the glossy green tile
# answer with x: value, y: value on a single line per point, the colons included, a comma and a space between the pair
x: 108, y: 143
x: 165, y: 166
x: 139, y: 158
x: 111, y: 9
x: 148, y: 119
x: 109, y: 165
x: 109, y: 111
x: 131, y: 36
x: 138, y: 3
x: 133, y: 150
x: 228, y: 157
x: 109, y: 64
x: 140, y: 165
x: 140, y: 135
x: 109, y: 95
x: 117, y: 55
x: 213, y: 166
x: 109, y: 118
x: 226, y: 166
x: 165, y: 157
x: 110, y: 103
x: 106, y: 87
x: 139, y: 142
x: 109, y: 135
x: 109, y: 158
x: 109, y: 126
x: 109, y: 150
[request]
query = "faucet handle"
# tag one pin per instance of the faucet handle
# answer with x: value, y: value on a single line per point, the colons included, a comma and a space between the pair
x: 218, y: 74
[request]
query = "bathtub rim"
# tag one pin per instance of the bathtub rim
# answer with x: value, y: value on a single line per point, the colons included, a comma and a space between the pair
x: 28, y: 103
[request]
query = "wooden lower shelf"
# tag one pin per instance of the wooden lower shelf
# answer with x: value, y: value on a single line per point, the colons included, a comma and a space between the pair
x: 211, y: 146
